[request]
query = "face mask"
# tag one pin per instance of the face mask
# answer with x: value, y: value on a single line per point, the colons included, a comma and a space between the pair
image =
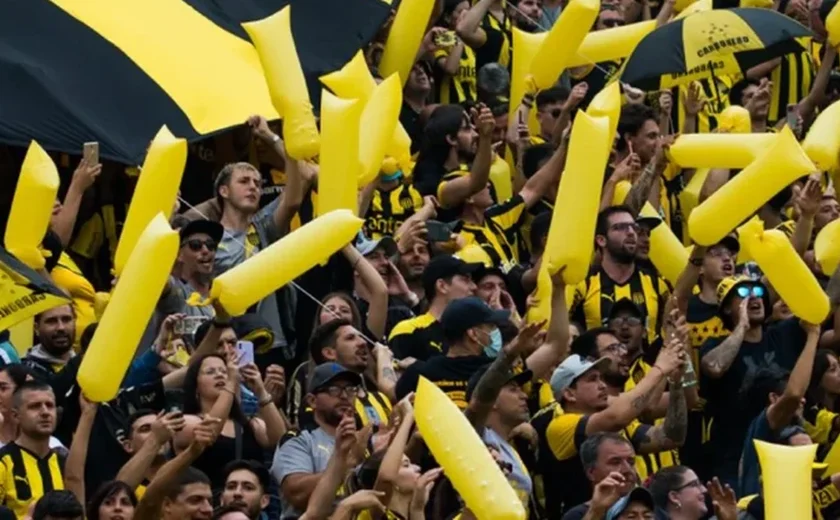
x: 492, y: 350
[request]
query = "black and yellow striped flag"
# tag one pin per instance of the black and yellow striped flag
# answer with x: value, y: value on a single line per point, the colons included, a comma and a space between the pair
x: 114, y: 71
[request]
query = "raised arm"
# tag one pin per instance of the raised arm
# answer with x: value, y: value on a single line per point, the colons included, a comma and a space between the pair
x: 386, y: 479
x: 719, y: 359
x: 74, y: 468
x: 163, y: 429
x: 63, y: 222
x: 782, y: 412
x: 456, y: 191
x: 469, y: 26
x: 376, y: 288
x: 548, y: 175
x: 269, y: 425
x: 556, y: 348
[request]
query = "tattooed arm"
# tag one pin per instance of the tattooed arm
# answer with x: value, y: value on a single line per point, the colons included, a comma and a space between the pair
x: 671, y: 433
x: 386, y: 376
x: 640, y: 192
x: 719, y: 359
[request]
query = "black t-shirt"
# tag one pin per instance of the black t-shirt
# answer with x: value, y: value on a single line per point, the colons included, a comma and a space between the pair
x: 727, y: 403
x: 450, y: 374
x: 577, y: 512
x: 410, y: 120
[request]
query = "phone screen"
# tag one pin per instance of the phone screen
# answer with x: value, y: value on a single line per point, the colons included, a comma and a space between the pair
x: 246, y: 351
x: 792, y: 116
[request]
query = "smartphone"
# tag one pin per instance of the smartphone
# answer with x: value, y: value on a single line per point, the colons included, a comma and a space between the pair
x: 246, y: 351
x: 442, y: 231
x: 445, y: 39
x: 90, y: 151
x: 792, y: 117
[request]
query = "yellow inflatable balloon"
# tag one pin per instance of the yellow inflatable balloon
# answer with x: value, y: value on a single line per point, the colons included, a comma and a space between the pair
x: 786, y: 480
x: 404, y: 38
x: 284, y: 260
x: 611, y: 44
x: 463, y: 456
x: 500, y: 177
x: 822, y: 144
x: 607, y: 103
x: 379, y: 121
x: 572, y: 226
x: 719, y: 150
x: 696, y: 7
x: 354, y: 81
x: 562, y: 41
x: 155, y: 192
x: 132, y: 304
x: 540, y: 309
x: 667, y: 253
x: 734, y: 119
x: 525, y: 48
x: 275, y: 45
x: 31, y: 211
x: 682, y: 5
x: 827, y: 248
x: 339, y: 161
x: 781, y: 164
x: 785, y: 270
x: 832, y: 26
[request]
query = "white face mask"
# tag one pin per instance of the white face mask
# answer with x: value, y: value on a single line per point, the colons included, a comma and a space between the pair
x: 492, y: 349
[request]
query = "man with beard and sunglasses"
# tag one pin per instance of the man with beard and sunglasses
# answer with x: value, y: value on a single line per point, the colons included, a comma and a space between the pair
x: 618, y: 276
x: 300, y: 461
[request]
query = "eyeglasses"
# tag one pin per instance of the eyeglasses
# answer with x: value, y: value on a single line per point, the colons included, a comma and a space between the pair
x: 626, y: 320
x: 625, y: 226
x: 745, y: 291
x: 615, y: 348
x: 339, y: 391
x: 690, y: 484
x: 196, y: 244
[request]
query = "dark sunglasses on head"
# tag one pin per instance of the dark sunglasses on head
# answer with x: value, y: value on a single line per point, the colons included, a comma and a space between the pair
x: 754, y: 290
x: 196, y: 244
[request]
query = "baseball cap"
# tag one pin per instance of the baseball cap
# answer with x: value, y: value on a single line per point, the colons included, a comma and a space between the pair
x: 572, y: 368
x: 638, y: 494
x: 731, y: 243
x: 443, y: 267
x: 367, y: 245
x: 648, y: 222
x: 624, y: 305
x: 209, y: 227
x: 526, y: 376
x: 465, y: 313
x: 326, y: 373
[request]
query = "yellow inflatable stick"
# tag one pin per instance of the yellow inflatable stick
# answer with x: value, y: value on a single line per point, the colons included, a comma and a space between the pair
x: 379, y: 121
x: 607, y: 103
x: 354, y: 81
x: 696, y: 7
x: 781, y: 164
x: 35, y: 195
x: 611, y: 44
x: 525, y: 48
x: 682, y: 5
x: 155, y: 192
x: 572, y: 226
x: 667, y: 253
x: 786, y: 271
x: 339, y: 161
x: 404, y: 38
x: 734, y: 119
x: 463, y: 456
x: 559, y: 46
x: 284, y: 260
x: 500, y: 177
x: 822, y: 144
x: 832, y: 26
x: 786, y: 480
x: 719, y: 150
x: 275, y: 45
x: 827, y: 247
x: 132, y: 304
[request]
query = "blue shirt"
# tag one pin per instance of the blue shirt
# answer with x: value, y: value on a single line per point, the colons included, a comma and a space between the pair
x: 749, y: 473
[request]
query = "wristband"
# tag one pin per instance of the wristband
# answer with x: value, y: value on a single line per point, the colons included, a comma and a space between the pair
x: 262, y: 403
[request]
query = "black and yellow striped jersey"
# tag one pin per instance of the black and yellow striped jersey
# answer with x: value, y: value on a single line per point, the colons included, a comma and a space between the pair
x: 370, y: 407
x: 497, y: 48
x: 26, y: 477
x: 460, y: 87
x: 389, y: 209
x: 792, y: 81
x: 497, y: 235
x: 821, y: 425
x: 595, y: 296
x: 716, y: 93
x: 420, y: 338
x: 648, y: 463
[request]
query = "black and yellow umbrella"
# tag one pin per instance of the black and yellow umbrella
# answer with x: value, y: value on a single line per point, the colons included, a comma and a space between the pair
x: 23, y: 292
x: 73, y: 71
x: 721, y: 42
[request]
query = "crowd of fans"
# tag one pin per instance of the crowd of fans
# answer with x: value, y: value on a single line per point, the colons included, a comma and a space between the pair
x: 637, y: 398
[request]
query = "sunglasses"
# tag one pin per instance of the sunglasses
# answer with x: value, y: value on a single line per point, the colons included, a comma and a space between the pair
x: 744, y: 291
x: 196, y: 244
x: 629, y: 320
x: 612, y: 23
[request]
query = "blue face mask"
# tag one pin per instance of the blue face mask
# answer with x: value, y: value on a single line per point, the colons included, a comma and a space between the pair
x: 492, y: 350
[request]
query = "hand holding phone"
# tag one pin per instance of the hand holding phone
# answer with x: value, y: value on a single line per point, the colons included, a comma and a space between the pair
x: 90, y: 152
x: 792, y: 117
x: 246, y: 352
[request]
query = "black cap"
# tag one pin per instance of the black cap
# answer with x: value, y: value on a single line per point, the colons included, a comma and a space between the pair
x: 484, y: 270
x: 648, y: 222
x: 210, y: 228
x: 624, y: 305
x: 443, y: 267
x: 326, y: 373
x: 731, y: 243
x: 465, y: 313
x: 526, y: 376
